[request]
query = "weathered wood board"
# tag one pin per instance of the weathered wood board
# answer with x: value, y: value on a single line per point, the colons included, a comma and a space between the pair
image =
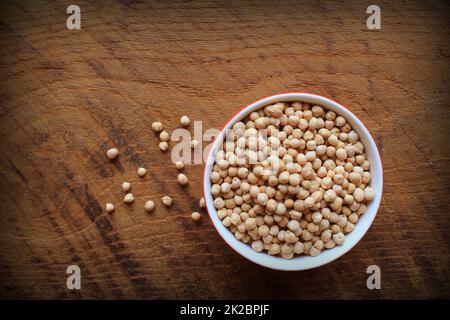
x: 66, y: 96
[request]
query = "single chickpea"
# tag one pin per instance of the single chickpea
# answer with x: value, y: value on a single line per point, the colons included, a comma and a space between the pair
x: 366, y: 177
x: 294, y: 179
x: 310, y: 156
x: 163, y: 146
x: 298, y: 247
x: 342, y: 221
x: 222, y: 213
x: 257, y: 245
x: 274, y: 249
x: 226, y: 221
x: 274, y: 230
x: 141, y: 172
x: 250, y: 223
x: 112, y: 153
x: 348, y: 199
x: 326, y: 183
x: 353, y: 218
x: 339, y: 238
x: 128, y: 198
x: 340, y: 121
x: 280, y: 209
x: 326, y: 236
x: 329, y: 244
x: 183, y: 180
x: 126, y: 186
x: 164, y: 136
x: 293, y: 225
x: 352, y: 137
x: 349, y: 227
x: 215, y: 189
x: 149, y: 206
x: 185, y: 121
x: 157, y: 126
x: 202, y: 203
x: 286, y: 250
x: 195, y: 216
x: 262, y: 198
x: 333, y: 140
x: 355, y: 178
x: 309, y: 202
x: 317, y: 217
x: 271, y: 205
x: 330, y: 195
x: 306, y: 235
x: 359, y: 195
x: 369, y: 194
x: 263, y: 230
x: 167, y: 201
x: 109, y: 207
x: 180, y: 165
x: 290, y: 237
x: 341, y: 154
x: 314, y: 252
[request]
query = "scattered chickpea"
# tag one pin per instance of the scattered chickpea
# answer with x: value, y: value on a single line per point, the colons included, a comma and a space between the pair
x: 128, y: 198
x: 163, y: 146
x: 195, y: 216
x: 164, y: 136
x: 112, y: 153
x: 157, y: 126
x: 167, y: 201
x: 126, y: 186
x: 182, y: 179
x: 202, y: 202
x: 109, y: 207
x: 149, y: 205
x: 141, y: 172
x: 185, y: 121
x: 179, y: 165
x: 317, y: 195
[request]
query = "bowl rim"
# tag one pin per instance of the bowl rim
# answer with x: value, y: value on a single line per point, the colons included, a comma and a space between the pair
x: 250, y: 254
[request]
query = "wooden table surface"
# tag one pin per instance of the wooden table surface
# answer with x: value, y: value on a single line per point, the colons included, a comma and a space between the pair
x: 66, y: 96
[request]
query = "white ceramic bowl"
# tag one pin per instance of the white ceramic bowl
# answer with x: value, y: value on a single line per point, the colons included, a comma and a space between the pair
x: 301, y: 262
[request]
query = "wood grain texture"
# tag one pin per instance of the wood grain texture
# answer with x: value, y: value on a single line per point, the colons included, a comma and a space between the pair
x: 66, y: 96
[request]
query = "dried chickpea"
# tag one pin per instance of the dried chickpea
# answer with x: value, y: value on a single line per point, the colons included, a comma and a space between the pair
x: 167, y: 201
x: 141, y: 172
x: 126, y: 186
x: 185, y: 121
x: 128, y: 198
x: 149, y: 206
x: 164, y: 136
x: 195, y: 216
x: 157, y: 126
x: 182, y: 179
x: 112, y: 153
x: 163, y: 146
x: 179, y: 165
x: 202, y: 203
x: 109, y: 207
